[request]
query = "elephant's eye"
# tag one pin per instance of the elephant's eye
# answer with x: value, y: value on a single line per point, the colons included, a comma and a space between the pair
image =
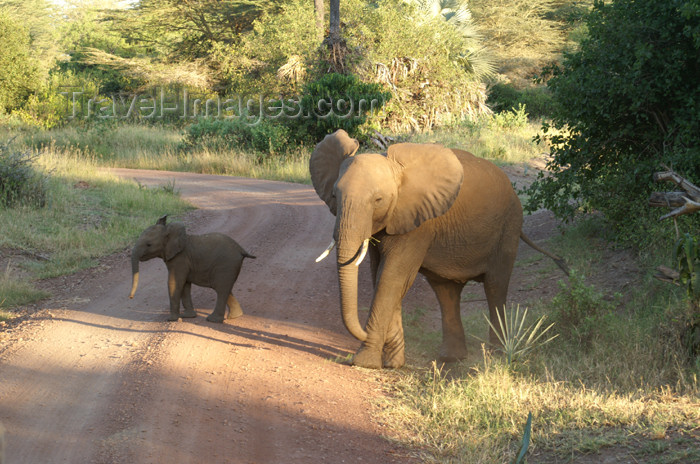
x: 148, y: 244
x: 378, y: 200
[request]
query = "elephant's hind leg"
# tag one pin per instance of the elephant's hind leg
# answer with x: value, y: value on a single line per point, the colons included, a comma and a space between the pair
x: 234, y: 307
x: 454, y: 345
x: 496, y: 289
x: 220, y: 309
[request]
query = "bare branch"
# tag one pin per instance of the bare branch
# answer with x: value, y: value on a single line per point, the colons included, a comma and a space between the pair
x: 689, y: 207
x: 667, y: 274
x: 672, y: 176
x: 667, y: 199
x: 687, y: 202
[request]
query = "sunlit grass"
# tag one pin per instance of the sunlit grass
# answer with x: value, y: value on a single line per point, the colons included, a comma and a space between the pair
x: 477, y: 415
x: 627, y: 383
x: 89, y: 214
x: 505, y: 139
x: 503, y: 142
x: 161, y: 148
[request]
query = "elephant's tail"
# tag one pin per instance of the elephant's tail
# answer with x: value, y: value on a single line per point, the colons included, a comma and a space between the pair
x: 559, y: 261
x: 247, y: 255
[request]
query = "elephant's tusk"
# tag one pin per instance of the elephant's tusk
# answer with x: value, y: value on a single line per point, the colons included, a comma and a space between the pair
x: 365, y: 245
x: 135, y: 283
x: 328, y: 250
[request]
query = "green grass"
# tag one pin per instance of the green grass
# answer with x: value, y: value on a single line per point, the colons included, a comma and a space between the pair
x: 503, y: 139
x: 161, y: 148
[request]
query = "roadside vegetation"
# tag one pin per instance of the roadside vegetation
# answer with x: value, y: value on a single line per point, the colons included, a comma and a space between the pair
x: 511, y: 81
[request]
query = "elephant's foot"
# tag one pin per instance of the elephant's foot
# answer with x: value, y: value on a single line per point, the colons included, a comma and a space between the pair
x: 395, y: 361
x: 215, y: 318
x: 368, y: 358
x: 173, y: 317
x: 189, y: 313
x: 394, y: 355
x: 452, y: 353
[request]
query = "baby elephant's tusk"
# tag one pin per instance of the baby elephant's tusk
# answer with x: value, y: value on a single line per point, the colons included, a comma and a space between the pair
x: 365, y: 245
x: 325, y: 253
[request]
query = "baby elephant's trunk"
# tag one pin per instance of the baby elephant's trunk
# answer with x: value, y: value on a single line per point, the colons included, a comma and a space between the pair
x: 135, y: 271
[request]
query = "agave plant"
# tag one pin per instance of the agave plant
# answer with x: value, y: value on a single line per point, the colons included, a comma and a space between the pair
x: 516, y: 339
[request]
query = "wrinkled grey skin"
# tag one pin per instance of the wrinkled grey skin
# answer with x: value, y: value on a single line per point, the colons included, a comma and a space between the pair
x: 211, y: 260
x: 441, y: 212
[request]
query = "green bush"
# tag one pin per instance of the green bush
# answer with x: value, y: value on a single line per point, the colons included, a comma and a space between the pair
x: 537, y: 100
x: 627, y: 102
x: 20, y: 182
x: 338, y: 101
x: 579, y: 311
x: 515, y: 118
x: 261, y: 136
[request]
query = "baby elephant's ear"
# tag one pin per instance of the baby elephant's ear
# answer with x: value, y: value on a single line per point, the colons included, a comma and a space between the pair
x: 175, y: 239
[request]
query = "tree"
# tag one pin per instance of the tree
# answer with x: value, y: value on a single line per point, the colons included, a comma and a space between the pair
x: 19, y: 75
x: 334, y: 29
x: 319, y: 9
x: 474, y: 57
x: 627, y: 102
x: 187, y: 30
x: 38, y: 17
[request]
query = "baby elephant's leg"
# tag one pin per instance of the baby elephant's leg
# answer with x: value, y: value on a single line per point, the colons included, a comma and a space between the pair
x: 220, y: 309
x: 187, y: 301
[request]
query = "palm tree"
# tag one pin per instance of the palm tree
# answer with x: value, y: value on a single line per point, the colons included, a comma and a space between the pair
x: 474, y: 57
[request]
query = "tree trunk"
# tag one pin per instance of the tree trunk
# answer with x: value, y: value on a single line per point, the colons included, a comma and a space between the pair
x: 334, y: 33
x: 320, y: 13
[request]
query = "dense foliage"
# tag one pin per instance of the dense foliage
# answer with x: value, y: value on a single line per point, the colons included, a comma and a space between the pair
x: 627, y: 102
x: 338, y: 101
x: 18, y: 71
x: 274, y: 126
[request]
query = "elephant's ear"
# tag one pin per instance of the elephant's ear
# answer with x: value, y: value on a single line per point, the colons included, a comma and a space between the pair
x: 175, y: 239
x: 325, y: 162
x: 429, y: 180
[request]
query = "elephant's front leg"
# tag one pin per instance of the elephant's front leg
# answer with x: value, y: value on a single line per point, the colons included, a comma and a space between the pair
x: 175, y: 286
x: 394, y: 356
x: 384, y: 345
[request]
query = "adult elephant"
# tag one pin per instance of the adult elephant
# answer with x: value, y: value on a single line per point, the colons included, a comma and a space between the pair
x: 424, y: 208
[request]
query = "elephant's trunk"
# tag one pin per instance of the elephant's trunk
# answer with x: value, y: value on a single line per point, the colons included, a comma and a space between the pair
x: 347, y: 278
x: 135, y: 272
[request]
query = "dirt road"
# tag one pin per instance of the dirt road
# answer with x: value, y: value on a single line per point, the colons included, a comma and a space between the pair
x: 97, y: 378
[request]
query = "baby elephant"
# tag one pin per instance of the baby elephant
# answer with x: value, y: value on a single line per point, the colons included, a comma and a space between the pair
x: 210, y: 260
